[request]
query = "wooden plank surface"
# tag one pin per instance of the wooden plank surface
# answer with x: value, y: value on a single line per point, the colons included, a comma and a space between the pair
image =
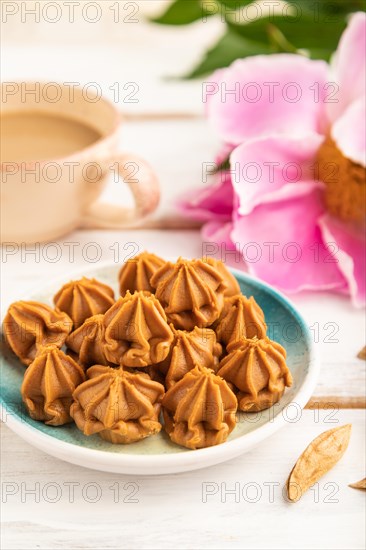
x: 180, y: 511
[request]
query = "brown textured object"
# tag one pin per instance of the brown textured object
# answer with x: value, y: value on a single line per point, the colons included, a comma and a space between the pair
x: 136, y: 273
x: 191, y: 292
x: 199, y: 410
x: 30, y: 325
x: 120, y: 406
x: 360, y: 485
x: 155, y: 374
x: 362, y: 354
x: 190, y: 348
x: 48, y: 385
x: 88, y: 342
x: 317, y: 459
x: 345, y: 183
x: 83, y: 299
x: 233, y: 286
x: 258, y: 371
x: 241, y: 318
x: 136, y: 331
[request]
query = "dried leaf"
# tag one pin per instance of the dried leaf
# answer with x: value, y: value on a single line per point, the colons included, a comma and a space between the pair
x: 359, y: 484
x: 317, y: 459
x: 362, y: 354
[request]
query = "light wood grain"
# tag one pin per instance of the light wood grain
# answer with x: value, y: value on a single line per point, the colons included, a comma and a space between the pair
x: 329, y: 402
x: 171, y: 512
x: 159, y: 116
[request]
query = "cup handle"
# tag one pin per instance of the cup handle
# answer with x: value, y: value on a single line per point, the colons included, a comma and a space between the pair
x: 144, y: 185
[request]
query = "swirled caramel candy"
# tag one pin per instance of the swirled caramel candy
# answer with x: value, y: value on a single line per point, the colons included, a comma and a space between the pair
x: 88, y: 342
x: 191, y: 292
x: 232, y: 285
x: 120, y: 406
x: 83, y: 299
x: 155, y: 374
x: 190, y: 348
x: 258, y: 371
x: 48, y: 385
x: 199, y: 410
x: 136, y: 331
x: 136, y: 273
x: 30, y: 325
x: 241, y: 318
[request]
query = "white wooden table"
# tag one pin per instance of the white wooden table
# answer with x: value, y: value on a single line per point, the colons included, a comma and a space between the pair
x: 72, y: 507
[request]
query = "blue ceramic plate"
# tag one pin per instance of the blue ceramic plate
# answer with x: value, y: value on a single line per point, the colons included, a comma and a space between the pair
x: 157, y: 455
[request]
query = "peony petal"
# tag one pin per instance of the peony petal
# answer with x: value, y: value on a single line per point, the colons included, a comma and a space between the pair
x: 224, y: 154
x: 351, y: 254
x: 348, y: 67
x: 282, y: 244
x: 218, y: 233
x: 273, y: 168
x: 217, y: 242
x: 349, y: 132
x: 268, y: 94
x: 214, y: 201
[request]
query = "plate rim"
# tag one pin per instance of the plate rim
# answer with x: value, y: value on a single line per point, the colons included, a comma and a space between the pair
x: 159, y: 464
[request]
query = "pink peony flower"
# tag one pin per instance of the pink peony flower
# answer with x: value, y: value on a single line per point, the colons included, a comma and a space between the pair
x: 293, y: 201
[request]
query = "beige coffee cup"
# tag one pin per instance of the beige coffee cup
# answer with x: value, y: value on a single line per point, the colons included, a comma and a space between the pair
x: 44, y: 199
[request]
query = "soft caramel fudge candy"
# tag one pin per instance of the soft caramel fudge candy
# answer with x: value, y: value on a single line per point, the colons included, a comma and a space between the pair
x: 88, y: 342
x: 83, y: 299
x: 120, y: 406
x: 199, y: 410
x: 258, y: 371
x: 136, y: 331
x: 31, y: 325
x: 232, y: 285
x: 190, y: 348
x: 191, y: 292
x: 136, y: 273
x: 241, y: 317
x: 48, y: 385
